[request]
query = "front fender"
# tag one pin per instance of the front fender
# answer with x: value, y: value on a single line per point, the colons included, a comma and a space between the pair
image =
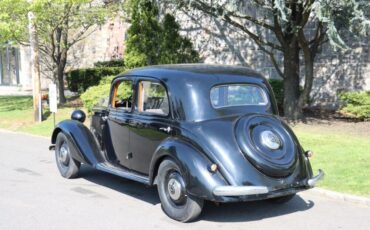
x: 200, y: 182
x: 81, y: 141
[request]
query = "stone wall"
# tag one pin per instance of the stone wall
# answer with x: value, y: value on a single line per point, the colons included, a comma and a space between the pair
x: 219, y: 43
x: 104, y: 44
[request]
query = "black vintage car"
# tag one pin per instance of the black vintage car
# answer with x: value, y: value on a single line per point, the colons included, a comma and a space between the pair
x: 197, y: 132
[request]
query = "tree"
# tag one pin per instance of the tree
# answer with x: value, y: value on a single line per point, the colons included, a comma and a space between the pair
x: 151, y: 41
x: 35, y: 66
x: 280, y: 26
x: 60, y: 25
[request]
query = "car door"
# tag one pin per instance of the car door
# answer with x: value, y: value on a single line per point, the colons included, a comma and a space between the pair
x: 150, y: 124
x: 117, y: 130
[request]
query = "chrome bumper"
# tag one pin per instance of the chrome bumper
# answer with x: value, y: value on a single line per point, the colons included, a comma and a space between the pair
x: 255, y: 190
x: 239, y: 190
x: 312, y: 182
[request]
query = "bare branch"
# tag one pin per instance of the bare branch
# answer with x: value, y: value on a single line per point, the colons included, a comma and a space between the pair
x: 215, y: 12
x: 81, y: 35
x: 251, y: 19
x: 276, y: 65
x: 260, y: 42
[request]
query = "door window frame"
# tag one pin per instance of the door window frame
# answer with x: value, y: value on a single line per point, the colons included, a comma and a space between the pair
x: 149, y: 114
x: 115, y: 84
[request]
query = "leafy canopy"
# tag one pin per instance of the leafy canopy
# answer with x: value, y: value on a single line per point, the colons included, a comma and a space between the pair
x: 151, y: 41
x: 76, y: 17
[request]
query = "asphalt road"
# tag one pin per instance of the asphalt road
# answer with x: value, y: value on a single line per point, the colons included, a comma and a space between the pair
x: 34, y: 196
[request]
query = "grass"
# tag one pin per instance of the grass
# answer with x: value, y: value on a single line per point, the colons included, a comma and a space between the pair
x: 16, y: 114
x: 340, y: 152
x: 344, y: 158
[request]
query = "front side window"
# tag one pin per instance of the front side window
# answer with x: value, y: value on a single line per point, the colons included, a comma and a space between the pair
x: 152, y: 98
x: 122, y: 95
x: 237, y: 95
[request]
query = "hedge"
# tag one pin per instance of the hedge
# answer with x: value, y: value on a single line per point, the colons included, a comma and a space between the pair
x: 81, y: 79
x: 356, y: 104
x: 111, y: 63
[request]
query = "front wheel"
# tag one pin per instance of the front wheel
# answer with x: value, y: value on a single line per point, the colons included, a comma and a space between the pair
x: 68, y: 167
x: 176, y: 203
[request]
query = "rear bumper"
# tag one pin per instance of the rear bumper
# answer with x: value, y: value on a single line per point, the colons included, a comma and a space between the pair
x: 239, y: 190
x: 313, y: 181
x: 263, y: 191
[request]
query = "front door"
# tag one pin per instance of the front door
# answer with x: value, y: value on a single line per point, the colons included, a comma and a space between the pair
x: 119, y: 117
x: 150, y: 124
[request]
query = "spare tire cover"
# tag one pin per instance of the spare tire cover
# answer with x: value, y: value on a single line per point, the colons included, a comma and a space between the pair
x: 267, y: 144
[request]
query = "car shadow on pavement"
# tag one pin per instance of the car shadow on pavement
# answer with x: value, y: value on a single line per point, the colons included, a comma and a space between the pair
x: 226, y: 212
x: 122, y: 185
x: 252, y: 211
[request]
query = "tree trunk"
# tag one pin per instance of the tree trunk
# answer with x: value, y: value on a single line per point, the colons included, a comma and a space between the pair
x: 292, y: 109
x: 308, y: 68
x: 61, y: 60
x: 35, y: 66
x: 60, y: 76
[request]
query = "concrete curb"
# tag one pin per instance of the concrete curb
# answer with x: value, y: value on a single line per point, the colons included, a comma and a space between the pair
x: 341, y: 196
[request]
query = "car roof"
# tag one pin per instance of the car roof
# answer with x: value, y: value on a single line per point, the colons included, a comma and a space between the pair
x: 189, y: 87
x: 176, y: 71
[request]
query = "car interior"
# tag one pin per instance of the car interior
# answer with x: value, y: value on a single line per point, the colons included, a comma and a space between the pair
x: 152, y: 97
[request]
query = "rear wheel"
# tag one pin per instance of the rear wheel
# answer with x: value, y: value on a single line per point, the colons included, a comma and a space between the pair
x: 282, y: 199
x: 68, y: 167
x: 176, y: 203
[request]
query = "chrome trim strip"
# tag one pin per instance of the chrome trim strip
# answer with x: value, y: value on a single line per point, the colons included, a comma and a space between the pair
x: 239, y: 190
x: 312, y: 182
x: 106, y: 167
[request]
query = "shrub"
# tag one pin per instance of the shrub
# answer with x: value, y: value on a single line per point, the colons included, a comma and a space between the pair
x: 111, y: 63
x: 356, y: 104
x: 93, y: 95
x: 81, y: 79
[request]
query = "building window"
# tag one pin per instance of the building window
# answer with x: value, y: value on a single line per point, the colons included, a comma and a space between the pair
x: 9, y: 66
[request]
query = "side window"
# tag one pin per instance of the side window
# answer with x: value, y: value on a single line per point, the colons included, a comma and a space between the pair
x: 122, y: 95
x: 152, y: 98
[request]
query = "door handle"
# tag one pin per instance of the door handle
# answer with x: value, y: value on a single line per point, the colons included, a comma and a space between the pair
x: 166, y: 129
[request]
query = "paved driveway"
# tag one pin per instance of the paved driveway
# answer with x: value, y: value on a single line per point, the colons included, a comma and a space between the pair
x: 34, y: 196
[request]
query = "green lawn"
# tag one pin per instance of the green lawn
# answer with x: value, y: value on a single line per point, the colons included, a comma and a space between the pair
x: 342, y: 152
x: 16, y: 114
x: 344, y: 158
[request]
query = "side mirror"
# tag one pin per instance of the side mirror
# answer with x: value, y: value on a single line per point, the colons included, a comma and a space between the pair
x: 78, y: 115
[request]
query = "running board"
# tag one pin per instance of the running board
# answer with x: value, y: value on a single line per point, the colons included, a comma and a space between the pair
x: 109, y: 168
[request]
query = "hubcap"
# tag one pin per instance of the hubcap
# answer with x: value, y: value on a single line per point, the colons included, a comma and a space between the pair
x: 63, y: 154
x: 176, y: 188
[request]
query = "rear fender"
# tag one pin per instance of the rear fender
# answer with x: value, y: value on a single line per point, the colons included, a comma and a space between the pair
x: 81, y: 141
x: 200, y: 182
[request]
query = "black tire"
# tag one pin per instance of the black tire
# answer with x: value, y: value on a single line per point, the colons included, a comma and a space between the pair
x: 282, y: 199
x: 185, y: 208
x: 68, y: 167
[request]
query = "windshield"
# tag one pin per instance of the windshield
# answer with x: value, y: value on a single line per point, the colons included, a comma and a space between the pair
x: 237, y: 95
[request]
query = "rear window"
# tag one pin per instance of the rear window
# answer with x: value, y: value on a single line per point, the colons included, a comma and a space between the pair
x: 237, y: 95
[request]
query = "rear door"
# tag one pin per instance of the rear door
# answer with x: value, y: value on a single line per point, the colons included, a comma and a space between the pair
x: 150, y: 124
